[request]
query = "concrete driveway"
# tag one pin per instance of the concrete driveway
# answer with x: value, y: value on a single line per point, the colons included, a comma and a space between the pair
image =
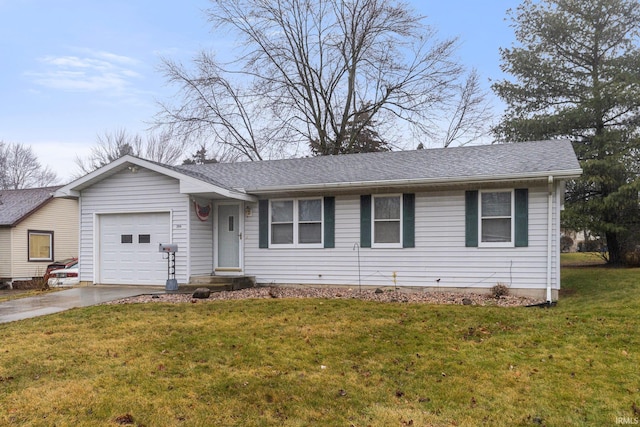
x: 25, y: 308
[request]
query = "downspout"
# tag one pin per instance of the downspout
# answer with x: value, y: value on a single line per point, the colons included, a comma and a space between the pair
x: 549, y: 236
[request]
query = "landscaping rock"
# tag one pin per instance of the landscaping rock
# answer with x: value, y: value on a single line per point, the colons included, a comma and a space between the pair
x: 378, y: 291
x: 201, y: 293
x: 328, y: 293
x: 466, y: 301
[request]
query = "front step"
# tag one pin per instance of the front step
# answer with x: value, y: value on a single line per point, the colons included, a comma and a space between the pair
x: 219, y: 283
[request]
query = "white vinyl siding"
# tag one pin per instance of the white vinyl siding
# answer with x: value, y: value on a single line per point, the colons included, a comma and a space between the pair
x: 125, y: 192
x: 440, y: 258
x: 201, y: 240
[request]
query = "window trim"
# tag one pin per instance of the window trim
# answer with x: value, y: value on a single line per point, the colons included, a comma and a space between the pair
x: 512, y: 219
x: 41, y: 233
x: 296, y: 224
x: 394, y: 245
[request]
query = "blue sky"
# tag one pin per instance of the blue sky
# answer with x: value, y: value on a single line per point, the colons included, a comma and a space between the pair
x: 71, y: 70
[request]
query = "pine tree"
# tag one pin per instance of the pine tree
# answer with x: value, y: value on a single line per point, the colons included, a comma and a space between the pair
x: 576, y: 77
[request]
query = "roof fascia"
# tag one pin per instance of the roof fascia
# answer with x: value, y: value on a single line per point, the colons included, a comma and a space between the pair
x: 188, y: 184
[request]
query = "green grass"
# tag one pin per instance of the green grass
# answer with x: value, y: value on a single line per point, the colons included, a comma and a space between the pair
x: 332, y: 362
x: 579, y: 259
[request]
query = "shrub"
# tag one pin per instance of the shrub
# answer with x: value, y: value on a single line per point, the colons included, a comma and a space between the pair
x: 499, y: 290
x: 566, y: 243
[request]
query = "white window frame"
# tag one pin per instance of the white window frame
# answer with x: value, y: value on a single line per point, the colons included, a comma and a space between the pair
x: 373, y: 221
x: 39, y: 233
x: 509, y: 244
x: 296, y: 224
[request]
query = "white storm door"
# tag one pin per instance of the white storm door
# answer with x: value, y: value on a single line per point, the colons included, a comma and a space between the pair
x: 229, y: 235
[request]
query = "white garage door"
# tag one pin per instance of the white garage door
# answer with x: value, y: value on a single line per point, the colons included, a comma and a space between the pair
x: 129, y: 248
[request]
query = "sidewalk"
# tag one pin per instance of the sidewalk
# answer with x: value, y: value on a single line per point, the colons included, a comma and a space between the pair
x: 25, y: 308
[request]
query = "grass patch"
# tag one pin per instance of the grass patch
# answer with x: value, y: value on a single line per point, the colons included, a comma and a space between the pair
x: 582, y: 259
x: 12, y: 294
x: 331, y: 362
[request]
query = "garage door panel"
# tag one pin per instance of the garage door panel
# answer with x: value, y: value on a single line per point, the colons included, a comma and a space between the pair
x: 129, y: 248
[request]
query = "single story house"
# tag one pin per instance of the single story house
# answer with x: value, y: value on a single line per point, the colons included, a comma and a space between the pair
x: 463, y: 218
x: 35, y: 229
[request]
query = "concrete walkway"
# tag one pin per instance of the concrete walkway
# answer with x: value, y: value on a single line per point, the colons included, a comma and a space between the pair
x: 25, y: 308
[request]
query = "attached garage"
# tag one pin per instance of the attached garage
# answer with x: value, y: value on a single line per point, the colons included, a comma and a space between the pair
x: 129, y: 248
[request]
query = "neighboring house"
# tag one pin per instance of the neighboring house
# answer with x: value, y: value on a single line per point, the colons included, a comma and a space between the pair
x: 35, y: 229
x: 444, y: 219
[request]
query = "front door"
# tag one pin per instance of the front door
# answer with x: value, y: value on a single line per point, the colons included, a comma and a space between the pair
x: 229, y: 235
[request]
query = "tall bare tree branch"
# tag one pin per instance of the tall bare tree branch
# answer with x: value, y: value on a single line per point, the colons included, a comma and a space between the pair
x: 20, y: 168
x: 158, y: 147
x: 307, y: 70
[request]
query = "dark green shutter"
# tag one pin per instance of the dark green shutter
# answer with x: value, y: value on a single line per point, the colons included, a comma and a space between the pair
x: 365, y: 221
x: 471, y: 218
x: 522, y: 218
x: 408, y: 220
x: 263, y: 223
x: 329, y: 222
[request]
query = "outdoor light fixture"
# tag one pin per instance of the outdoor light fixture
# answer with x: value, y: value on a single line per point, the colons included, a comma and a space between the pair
x: 247, y: 210
x: 133, y: 168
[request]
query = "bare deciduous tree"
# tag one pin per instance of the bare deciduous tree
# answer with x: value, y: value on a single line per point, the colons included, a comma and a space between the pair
x: 308, y: 69
x: 113, y: 145
x: 20, y: 168
x: 471, y: 116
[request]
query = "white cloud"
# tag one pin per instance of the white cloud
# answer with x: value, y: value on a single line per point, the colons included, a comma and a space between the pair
x: 97, y: 71
x: 116, y: 58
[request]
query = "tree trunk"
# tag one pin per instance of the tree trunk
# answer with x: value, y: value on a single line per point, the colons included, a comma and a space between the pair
x: 615, y: 251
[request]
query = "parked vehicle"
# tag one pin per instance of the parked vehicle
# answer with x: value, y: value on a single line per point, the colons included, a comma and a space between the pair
x: 57, y: 265
x: 64, y: 276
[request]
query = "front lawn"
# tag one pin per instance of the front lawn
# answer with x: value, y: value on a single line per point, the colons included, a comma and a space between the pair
x: 332, y: 362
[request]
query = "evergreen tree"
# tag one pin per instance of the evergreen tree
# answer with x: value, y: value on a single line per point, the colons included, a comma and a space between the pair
x: 576, y: 74
x: 200, y: 158
x: 360, y: 137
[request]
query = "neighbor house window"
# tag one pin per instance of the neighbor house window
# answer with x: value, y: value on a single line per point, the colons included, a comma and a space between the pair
x: 296, y: 222
x: 387, y: 221
x: 40, y: 245
x: 496, y: 218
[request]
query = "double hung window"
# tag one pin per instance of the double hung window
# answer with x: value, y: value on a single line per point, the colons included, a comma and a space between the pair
x: 296, y: 222
x: 496, y: 218
x: 387, y: 221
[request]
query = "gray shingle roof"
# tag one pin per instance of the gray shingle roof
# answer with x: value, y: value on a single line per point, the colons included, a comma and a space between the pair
x: 520, y: 159
x: 16, y: 204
